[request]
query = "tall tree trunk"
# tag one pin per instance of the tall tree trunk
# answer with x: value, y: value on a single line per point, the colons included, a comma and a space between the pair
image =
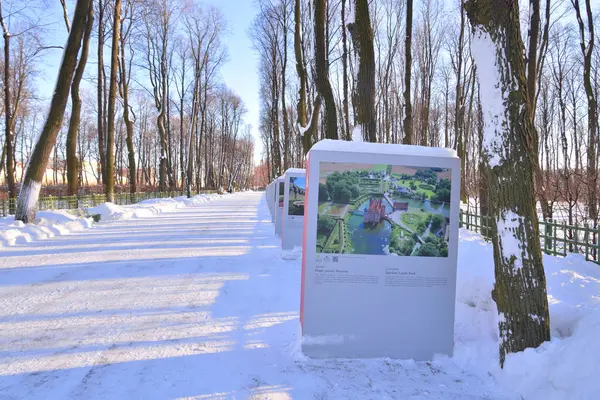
x: 112, y: 95
x: 520, y: 288
x: 322, y: 70
x: 307, y: 140
x: 30, y: 190
x: 8, y: 117
x: 72, y: 162
x: 592, y: 111
x: 286, y: 126
x: 459, y: 109
x: 2, y: 158
x: 100, y: 105
x: 408, y: 118
x: 364, y: 95
x: 275, y: 114
x: 124, y: 85
x: 533, y: 33
x: 348, y: 133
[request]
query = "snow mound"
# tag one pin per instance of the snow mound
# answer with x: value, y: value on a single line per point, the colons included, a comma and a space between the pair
x: 48, y: 224
x: 60, y: 222
x: 293, y: 254
x: 148, y: 208
x: 564, y: 368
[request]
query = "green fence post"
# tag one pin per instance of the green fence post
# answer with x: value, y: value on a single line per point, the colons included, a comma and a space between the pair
x: 585, y: 239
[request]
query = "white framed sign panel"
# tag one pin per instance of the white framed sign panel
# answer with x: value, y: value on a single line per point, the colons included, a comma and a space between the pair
x: 278, y: 205
x: 380, y: 251
x: 293, y: 208
x: 270, y: 201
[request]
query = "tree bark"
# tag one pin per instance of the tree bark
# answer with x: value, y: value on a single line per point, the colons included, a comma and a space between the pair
x: 459, y: 109
x: 124, y: 83
x: 30, y: 190
x: 408, y: 119
x: 303, y: 76
x: 286, y: 126
x: 520, y: 288
x: 348, y: 133
x: 100, y: 105
x: 112, y: 95
x: 364, y: 96
x: 72, y: 162
x: 8, y: 121
x: 322, y: 70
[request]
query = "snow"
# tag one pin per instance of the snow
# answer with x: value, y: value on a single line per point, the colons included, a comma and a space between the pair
x: 48, y: 224
x: 292, y: 254
x: 483, y: 51
x: 381, y: 148
x: 351, y: 14
x: 294, y: 171
x: 326, y: 339
x: 357, y: 134
x: 302, y: 130
x: 560, y: 369
x: 28, y: 196
x: 61, y: 222
x: 197, y: 302
x: 147, y: 208
x: 511, y: 245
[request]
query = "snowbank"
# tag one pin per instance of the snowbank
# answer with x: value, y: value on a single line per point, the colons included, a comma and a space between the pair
x: 48, y: 224
x: 564, y: 368
x: 60, y: 222
x: 293, y: 254
x: 147, y: 208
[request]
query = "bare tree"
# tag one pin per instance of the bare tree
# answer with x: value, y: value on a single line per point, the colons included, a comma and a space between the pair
x: 72, y: 162
x: 322, y: 69
x: 125, y: 76
x: 30, y: 189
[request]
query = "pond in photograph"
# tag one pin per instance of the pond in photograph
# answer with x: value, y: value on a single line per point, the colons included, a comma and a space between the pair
x: 370, y: 240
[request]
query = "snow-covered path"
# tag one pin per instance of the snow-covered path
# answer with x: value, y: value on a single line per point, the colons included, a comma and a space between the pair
x: 194, y: 303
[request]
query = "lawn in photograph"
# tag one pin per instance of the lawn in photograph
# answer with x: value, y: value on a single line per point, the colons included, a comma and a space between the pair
x: 380, y: 209
x: 297, y: 190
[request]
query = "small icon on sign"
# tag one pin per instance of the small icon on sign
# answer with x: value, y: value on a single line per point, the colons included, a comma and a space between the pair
x: 327, y: 259
x: 336, y: 258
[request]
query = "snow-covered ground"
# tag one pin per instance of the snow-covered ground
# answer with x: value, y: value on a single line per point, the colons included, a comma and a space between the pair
x: 61, y: 222
x: 197, y: 302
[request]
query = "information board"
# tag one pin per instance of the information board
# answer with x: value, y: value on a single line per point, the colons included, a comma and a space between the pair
x: 380, y: 251
x: 293, y: 210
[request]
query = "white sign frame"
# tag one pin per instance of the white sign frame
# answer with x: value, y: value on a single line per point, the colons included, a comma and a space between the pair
x: 278, y: 211
x: 349, y: 310
x: 293, y: 225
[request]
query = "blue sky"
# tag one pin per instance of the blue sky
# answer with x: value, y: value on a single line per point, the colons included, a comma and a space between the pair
x: 240, y: 73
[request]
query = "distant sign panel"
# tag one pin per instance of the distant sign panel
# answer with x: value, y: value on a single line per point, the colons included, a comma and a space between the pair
x: 293, y: 217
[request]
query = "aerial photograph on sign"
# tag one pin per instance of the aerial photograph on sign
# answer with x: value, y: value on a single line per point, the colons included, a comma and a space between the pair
x: 296, y: 195
x: 281, y: 193
x: 379, y: 209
